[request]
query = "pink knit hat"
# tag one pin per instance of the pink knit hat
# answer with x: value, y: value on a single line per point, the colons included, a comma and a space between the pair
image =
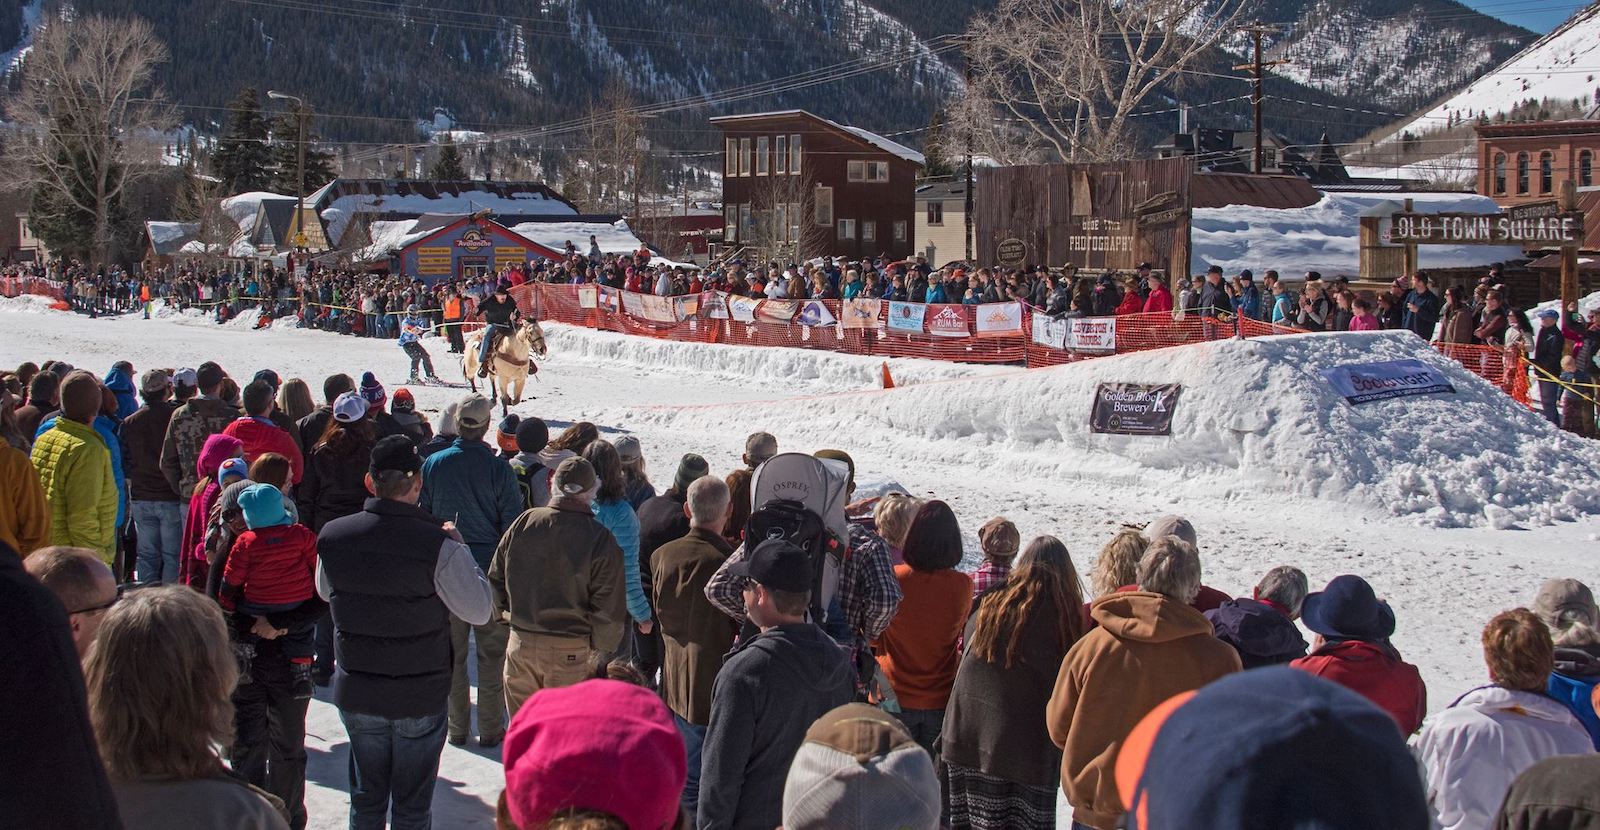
x: 600, y: 745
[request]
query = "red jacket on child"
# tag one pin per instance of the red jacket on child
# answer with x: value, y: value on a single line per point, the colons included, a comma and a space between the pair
x: 1377, y: 674
x: 275, y: 565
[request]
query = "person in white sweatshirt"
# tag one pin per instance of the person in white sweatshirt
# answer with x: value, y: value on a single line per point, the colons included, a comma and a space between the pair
x: 1473, y: 750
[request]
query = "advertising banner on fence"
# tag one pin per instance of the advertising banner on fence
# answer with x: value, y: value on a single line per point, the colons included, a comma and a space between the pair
x: 776, y: 311
x: 1361, y: 383
x: 997, y: 318
x: 743, y: 309
x: 713, y: 306
x: 588, y: 297
x: 1133, y: 408
x: 1048, y: 331
x: 649, y: 307
x: 610, y: 299
x: 906, y: 317
x: 685, y: 307
x: 947, y: 321
x: 861, y: 314
x: 1092, y: 334
x: 814, y: 313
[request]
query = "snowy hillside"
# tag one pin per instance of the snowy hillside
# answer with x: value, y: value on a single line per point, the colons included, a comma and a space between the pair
x: 1393, y: 55
x: 1561, y: 66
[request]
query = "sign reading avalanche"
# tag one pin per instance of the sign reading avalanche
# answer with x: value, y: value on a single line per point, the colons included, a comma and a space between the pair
x: 1361, y: 383
x: 1134, y: 408
x: 1549, y: 231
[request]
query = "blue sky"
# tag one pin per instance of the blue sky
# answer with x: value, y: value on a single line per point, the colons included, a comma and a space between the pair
x: 1538, y: 15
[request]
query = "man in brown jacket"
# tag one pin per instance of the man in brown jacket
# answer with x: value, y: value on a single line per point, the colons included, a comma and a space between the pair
x: 557, y: 579
x: 1149, y: 646
x: 694, y: 632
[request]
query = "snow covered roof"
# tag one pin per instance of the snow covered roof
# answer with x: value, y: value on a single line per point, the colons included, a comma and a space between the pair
x: 613, y: 238
x: 339, y: 200
x: 167, y: 238
x: 872, y: 138
x: 1324, y: 236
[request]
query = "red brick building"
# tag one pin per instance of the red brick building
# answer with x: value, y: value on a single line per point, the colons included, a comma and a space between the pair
x: 798, y: 185
x: 1528, y: 162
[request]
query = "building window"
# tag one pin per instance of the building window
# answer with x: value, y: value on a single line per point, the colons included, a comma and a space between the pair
x: 1499, y: 173
x: 1586, y: 168
x: 867, y: 171
x: 1522, y: 172
x: 747, y: 223
x: 847, y: 229
x: 763, y: 161
x: 794, y: 221
x: 730, y: 223
x: 794, y: 154
x: 780, y: 221
x: 869, y: 231
x: 781, y: 155
x: 900, y: 231
x: 1547, y: 163
x: 936, y: 213
x: 744, y: 156
x: 823, y: 206
x: 730, y: 166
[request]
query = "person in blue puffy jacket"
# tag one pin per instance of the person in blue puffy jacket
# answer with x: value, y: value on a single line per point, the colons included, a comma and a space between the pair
x: 120, y: 381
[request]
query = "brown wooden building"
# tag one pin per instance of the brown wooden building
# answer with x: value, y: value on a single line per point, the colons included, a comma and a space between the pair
x: 1112, y: 216
x: 801, y: 185
x: 1519, y: 163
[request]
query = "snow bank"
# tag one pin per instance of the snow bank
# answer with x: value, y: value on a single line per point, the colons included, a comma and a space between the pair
x: 1325, y: 236
x: 1254, y: 419
x: 27, y: 304
x: 776, y: 364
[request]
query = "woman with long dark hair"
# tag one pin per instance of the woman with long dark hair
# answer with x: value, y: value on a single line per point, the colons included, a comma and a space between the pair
x: 334, y: 485
x: 611, y: 508
x: 1001, y: 768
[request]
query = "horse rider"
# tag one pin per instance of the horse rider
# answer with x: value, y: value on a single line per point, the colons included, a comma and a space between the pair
x: 500, y: 314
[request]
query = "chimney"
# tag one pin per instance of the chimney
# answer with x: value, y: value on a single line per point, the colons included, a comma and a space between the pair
x: 1183, y: 118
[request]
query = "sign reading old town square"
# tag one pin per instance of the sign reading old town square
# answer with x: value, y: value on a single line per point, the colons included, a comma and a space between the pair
x: 1553, y: 230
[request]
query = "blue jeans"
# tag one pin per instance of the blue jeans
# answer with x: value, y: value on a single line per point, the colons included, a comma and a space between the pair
x: 1549, y: 399
x: 160, y: 527
x: 393, y: 761
x: 694, y: 737
x: 486, y: 347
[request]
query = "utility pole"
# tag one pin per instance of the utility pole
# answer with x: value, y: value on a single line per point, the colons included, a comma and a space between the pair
x: 1257, y: 31
x: 299, y: 239
x: 967, y: 213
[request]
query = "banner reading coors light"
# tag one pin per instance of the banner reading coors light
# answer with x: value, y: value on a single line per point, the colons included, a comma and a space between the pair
x: 1361, y: 383
x: 1134, y: 408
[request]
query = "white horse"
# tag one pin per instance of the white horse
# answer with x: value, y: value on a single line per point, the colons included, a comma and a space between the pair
x: 509, y: 364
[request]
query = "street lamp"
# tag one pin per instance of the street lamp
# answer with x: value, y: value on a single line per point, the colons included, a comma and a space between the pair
x: 299, y: 240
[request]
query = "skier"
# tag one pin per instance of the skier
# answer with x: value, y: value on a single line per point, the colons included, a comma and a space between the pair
x: 412, y: 327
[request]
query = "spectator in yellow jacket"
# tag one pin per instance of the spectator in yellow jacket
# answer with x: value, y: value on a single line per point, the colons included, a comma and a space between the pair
x: 24, y: 513
x: 75, y: 471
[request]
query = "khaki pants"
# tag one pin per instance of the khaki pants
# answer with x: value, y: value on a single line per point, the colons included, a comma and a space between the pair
x: 491, y: 639
x: 541, y: 661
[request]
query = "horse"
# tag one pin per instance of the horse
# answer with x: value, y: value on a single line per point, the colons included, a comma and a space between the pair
x: 510, y: 364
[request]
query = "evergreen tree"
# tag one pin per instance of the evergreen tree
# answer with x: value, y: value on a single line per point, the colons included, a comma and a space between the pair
x: 242, y: 159
x: 448, y: 167
x: 285, y: 153
x: 937, y: 158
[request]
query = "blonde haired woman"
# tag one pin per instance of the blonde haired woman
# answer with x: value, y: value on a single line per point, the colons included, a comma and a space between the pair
x: 892, y: 516
x: 160, y: 676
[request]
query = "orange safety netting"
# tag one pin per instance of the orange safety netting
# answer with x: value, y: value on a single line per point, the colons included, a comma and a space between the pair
x: 17, y: 286
x: 604, y: 308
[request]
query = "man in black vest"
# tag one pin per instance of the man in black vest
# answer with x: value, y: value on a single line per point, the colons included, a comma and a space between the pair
x: 393, y: 575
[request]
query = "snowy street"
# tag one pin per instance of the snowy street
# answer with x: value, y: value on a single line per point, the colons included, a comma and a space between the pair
x: 1268, y: 472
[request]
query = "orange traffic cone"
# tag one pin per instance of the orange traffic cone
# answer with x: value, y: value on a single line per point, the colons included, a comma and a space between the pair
x: 888, y: 380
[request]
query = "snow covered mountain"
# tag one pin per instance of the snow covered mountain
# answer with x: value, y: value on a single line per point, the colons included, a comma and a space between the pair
x: 1560, y: 68
x: 1391, y: 55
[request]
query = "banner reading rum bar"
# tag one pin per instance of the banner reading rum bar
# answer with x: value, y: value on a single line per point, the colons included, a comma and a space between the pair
x: 1134, y: 408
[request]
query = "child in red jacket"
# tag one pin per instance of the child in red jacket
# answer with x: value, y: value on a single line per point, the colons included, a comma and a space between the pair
x: 272, y: 568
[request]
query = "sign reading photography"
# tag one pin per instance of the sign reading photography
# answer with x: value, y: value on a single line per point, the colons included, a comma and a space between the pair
x: 1134, y: 408
x: 1361, y: 383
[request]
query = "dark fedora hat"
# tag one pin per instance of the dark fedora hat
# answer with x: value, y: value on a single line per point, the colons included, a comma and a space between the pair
x: 1348, y: 609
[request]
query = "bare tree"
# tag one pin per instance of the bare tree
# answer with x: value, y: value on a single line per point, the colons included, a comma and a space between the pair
x: 200, y: 202
x: 1065, y: 76
x: 613, y: 139
x: 782, y: 208
x: 91, y: 116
